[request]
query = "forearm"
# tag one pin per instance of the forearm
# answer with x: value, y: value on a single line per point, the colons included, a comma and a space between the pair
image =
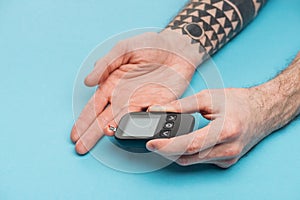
x: 281, y: 102
x: 210, y: 24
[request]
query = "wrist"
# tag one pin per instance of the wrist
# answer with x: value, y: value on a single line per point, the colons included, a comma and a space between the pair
x: 275, y: 107
x: 265, y: 111
x: 182, y: 46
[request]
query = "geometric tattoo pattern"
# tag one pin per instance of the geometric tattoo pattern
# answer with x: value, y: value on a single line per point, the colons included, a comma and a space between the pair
x: 212, y: 23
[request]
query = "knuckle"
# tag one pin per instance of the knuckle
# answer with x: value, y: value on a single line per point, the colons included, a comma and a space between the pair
x: 227, y: 164
x: 207, y: 154
x: 182, y: 162
x: 236, y: 128
x: 193, y: 147
x: 176, y: 106
x: 102, y: 121
x: 232, y: 131
x: 223, y: 166
x: 233, y: 151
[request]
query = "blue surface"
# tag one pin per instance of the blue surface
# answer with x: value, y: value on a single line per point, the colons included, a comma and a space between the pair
x: 42, y: 44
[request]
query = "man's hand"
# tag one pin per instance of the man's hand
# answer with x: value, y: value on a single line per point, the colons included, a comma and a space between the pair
x: 148, y: 69
x: 240, y: 119
x: 232, y: 132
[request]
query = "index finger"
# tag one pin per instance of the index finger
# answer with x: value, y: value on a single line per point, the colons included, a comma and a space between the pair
x: 189, y: 144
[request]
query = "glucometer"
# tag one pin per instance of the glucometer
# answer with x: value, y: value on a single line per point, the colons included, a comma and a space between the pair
x: 136, y: 128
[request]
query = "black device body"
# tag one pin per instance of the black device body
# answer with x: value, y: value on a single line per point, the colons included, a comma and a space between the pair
x: 136, y: 128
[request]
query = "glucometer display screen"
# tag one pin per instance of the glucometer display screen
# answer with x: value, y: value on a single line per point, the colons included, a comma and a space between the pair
x: 142, y: 126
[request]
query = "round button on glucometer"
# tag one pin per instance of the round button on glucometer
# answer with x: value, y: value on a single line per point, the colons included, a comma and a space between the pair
x: 171, y: 118
x: 169, y: 125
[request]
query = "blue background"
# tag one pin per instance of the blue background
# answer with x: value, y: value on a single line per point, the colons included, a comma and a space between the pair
x: 43, y: 43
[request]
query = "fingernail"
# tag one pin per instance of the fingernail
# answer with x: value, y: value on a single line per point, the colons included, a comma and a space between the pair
x: 151, y: 147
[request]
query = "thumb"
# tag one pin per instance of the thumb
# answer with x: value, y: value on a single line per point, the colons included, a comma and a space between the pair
x: 106, y: 65
x: 191, y: 104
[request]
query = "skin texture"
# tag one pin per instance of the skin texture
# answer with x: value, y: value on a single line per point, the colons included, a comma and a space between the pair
x: 210, y: 24
x: 131, y: 78
x: 156, y: 68
x: 237, y: 124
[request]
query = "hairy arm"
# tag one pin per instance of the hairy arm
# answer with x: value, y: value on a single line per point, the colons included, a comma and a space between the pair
x: 240, y: 118
x: 281, y: 98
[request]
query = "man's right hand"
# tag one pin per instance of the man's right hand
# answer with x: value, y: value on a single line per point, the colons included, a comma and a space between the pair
x: 240, y: 118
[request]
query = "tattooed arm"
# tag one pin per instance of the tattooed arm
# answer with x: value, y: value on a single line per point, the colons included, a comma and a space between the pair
x: 212, y: 23
x: 132, y: 76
